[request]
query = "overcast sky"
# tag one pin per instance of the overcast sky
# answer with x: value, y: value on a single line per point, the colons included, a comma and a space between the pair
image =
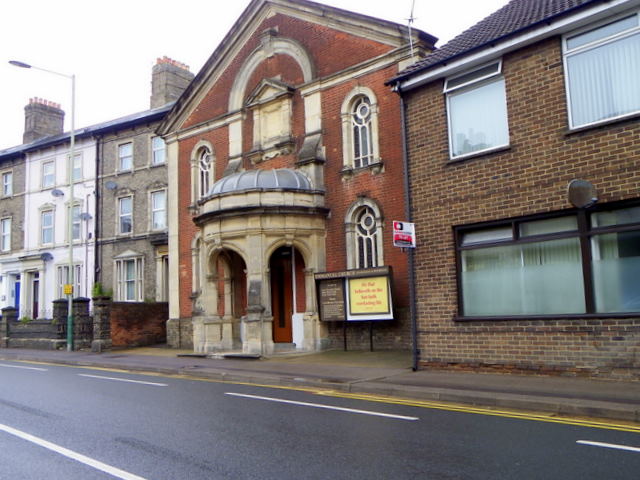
x: 112, y: 46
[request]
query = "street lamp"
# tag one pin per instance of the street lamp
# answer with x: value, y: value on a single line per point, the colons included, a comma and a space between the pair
x: 68, y: 288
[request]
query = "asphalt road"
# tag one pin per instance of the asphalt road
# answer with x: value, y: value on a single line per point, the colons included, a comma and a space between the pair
x: 74, y: 423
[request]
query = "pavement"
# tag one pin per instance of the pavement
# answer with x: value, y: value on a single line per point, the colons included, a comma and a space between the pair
x: 386, y: 373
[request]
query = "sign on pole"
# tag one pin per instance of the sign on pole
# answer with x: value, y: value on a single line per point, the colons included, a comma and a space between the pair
x: 404, y: 234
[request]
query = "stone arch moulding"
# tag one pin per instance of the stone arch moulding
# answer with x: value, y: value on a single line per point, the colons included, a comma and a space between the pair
x: 214, y: 249
x: 267, y: 49
x: 299, y: 245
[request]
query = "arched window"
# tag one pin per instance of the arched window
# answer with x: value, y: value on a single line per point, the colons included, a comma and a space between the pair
x: 364, y: 235
x: 205, y: 166
x: 360, y: 129
x: 202, y: 170
x: 361, y: 125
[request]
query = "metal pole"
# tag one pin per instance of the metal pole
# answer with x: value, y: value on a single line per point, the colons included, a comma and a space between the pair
x: 69, y: 285
x: 70, y: 217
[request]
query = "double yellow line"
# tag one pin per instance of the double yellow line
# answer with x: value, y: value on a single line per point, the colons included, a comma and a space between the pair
x: 451, y: 407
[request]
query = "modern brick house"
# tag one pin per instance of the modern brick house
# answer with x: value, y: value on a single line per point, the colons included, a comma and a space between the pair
x: 285, y: 161
x: 523, y: 139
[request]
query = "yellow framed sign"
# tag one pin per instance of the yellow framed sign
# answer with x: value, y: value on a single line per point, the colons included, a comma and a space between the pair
x: 355, y: 295
x: 369, y: 298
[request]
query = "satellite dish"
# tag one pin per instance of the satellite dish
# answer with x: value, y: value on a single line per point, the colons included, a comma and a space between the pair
x: 57, y: 192
x: 46, y: 256
x: 85, y: 216
x: 111, y: 185
x: 582, y: 193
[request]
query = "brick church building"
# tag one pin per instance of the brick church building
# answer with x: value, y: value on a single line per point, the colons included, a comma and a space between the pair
x: 286, y: 163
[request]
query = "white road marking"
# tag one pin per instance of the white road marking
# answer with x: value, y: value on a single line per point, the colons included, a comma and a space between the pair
x: 116, y: 379
x: 116, y: 472
x: 24, y: 368
x: 327, y: 407
x: 609, y: 445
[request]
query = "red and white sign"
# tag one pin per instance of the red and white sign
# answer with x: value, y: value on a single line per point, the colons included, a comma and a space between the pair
x: 404, y: 234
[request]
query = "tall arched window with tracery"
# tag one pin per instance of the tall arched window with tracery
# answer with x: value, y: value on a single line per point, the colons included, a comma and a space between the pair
x: 202, y: 170
x: 205, y: 167
x: 361, y: 125
x: 364, y: 235
x: 360, y: 129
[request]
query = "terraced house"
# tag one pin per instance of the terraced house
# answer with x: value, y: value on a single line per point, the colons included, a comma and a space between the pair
x: 523, y: 137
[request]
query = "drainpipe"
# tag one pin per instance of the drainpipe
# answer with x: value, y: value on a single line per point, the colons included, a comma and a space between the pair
x: 407, y: 210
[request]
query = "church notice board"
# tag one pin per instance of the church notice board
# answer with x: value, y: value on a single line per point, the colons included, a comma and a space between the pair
x: 355, y: 295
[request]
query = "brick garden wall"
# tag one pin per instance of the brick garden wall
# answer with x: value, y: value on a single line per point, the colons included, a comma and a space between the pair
x: 530, y: 176
x: 138, y: 324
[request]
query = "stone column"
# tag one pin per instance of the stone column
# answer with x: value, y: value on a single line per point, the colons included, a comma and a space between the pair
x: 9, y: 315
x: 101, y: 324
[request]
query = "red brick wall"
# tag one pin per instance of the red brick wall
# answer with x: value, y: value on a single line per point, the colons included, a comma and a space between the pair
x: 531, y: 176
x: 138, y: 324
x: 331, y: 51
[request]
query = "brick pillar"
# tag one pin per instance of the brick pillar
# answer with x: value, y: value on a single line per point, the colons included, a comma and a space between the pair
x: 9, y: 315
x: 60, y: 317
x: 101, y: 324
x: 82, y: 323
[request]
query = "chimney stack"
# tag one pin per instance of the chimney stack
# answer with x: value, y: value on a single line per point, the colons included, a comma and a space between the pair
x: 42, y: 118
x: 169, y: 79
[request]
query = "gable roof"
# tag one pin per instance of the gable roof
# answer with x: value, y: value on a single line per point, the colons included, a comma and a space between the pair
x: 513, y: 19
x: 383, y: 31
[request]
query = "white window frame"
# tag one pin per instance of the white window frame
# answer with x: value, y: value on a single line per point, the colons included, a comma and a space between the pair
x: 348, y: 138
x: 158, y: 152
x: 62, y: 276
x: 5, y: 234
x: 157, y: 211
x: 122, y: 215
x: 7, y: 183
x: 43, y: 228
x: 478, y: 77
x: 48, y: 175
x: 568, y: 52
x: 353, y: 235
x: 122, y: 281
x: 76, y: 219
x: 205, y: 175
x: 76, y: 166
x: 122, y: 156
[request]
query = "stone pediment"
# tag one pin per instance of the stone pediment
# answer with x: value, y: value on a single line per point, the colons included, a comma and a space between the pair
x: 267, y: 90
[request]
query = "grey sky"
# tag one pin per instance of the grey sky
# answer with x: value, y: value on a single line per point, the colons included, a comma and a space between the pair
x: 111, y: 47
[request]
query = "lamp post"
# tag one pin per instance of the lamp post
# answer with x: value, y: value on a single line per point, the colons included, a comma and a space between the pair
x: 68, y: 288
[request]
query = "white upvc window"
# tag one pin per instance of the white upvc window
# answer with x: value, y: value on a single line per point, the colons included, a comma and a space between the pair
x: 48, y: 174
x: 76, y: 167
x: 477, y: 111
x: 7, y: 184
x: 129, y: 279
x: 602, y: 65
x: 359, y: 116
x: 158, y: 210
x: 125, y: 214
x: 5, y: 234
x: 362, y: 135
x: 158, y: 151
x: 125, y: 156
x: 63, y: 279
x: 76, y: 230
x: 46, y: 227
